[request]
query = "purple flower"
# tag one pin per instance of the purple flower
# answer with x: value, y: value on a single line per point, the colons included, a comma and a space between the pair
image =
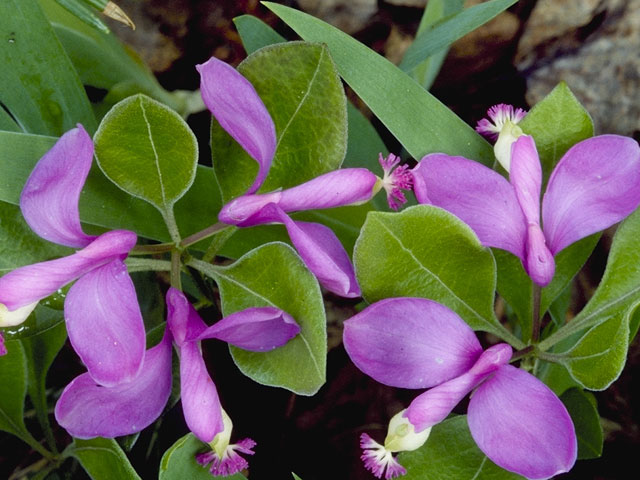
x: 3, y: 348
x: 257, y: 329
x: 87, y: 409
x: 103, y: 318
x: 516, y: 420
x: 595, y: 184
x: 239, y: 110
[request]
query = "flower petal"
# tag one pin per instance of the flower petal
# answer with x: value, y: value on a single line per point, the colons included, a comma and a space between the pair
x: 348, y: 186
x: 183, y: 319
x: 31, y: 283
x: 200, y: 402
x: 257, y: 329
x: 236, y: 105
x: 521, y: 425
x: 88, y: 410
x: 410, y: 342
x: 595, y: 184
x: 526, y: 177
x: 435, y: 404
x: 477, y: 195
x: 105, y: 324
x: 49, y: 199
x: 321, y: 252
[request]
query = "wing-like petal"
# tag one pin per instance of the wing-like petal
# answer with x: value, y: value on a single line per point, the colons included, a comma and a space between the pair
x: 183, y: 319
x: 521, y: 425
x: 31, y: 283
x: 435, y: 404
x: 477, y: 195
x: 410, y: 342
x: 200, y: 402
x: 321, y: 252
x: 595, y: 184
x: 49, y: 199
x: 105, y: 324
x: 88, y: 410
x: 257, y: 329
x: 526, y: 177
x: 236, y: 105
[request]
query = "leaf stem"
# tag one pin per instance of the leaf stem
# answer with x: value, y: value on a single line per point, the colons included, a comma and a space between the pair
x: 536, y: 320
x: 147, y: 264
x: 172, y: 226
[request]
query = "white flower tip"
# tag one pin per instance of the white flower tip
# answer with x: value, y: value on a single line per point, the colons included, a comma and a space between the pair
x: 11, y: 318
x: 230, y: 462
x: 402, y: 436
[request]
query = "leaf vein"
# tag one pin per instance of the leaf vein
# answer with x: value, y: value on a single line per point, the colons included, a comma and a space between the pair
x: 155, y: 153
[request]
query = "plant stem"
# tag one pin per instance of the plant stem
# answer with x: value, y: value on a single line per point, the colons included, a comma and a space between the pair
x: 536, y: 321
x: 202, y: 234
x: 172, y: 226
x: 147, y: 264
x: 150, y: 249
x: 175, y: 269
x: 522, y: 353
x: 217, y: 243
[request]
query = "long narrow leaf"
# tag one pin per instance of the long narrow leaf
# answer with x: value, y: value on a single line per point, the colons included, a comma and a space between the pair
x: 451, y: 30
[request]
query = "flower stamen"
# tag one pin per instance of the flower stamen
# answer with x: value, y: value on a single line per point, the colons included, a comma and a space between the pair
x: 395, y: 180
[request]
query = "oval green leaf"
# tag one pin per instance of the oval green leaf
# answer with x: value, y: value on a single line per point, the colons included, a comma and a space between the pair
x: 147, y: 150
x: 451, y: 454
x: 427, y: 252
x: 13, y: 388
x: 103, y: 459
x: 301, y: 89
x: 274, y: 275
x: 179, y: 461
x: 583, y: 409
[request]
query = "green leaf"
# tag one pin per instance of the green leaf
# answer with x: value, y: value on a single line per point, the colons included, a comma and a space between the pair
x: 450, y: 30
x: 598, y: 358
x: 148, y: 150
x: 102, y: 458
x: 39, y: 85
x: 41, y: 350
x: 515, y: 286
x: 19, y: 245
x: 256, y: 34
x: 274, y: 275
x: 102, y: 203
x: 451, y: 454
x: 584, y: 412
x: 13, y: 388
x: 426, y: 71
x: 417, y: 119
x: 557, y: 123
x: 179, y: 461
x: 7, y: 123
x: 295, y: 477
x: 425, y: 251
x: 301, y: 89
x: 604, y: 322
x: 101, y: 60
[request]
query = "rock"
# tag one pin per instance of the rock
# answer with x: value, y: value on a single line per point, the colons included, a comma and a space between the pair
x: 597, y: 57
x: 348, y: 15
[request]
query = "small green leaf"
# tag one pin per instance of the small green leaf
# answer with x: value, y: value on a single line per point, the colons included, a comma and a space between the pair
x: 148, y: 150
x: 584, y: 412
x: 103, y: 459
x: 451, y: 454
x: 256, y: 34
x: 598, y: 358
x: 425, y: 251
x: 179, y: 462
x: 301, y: 89
x: 13, y: 388
x: 274, y: 275
x: 39, y: 85
x: 450, y: 30
x: 417, y: 119
x: 557, y: 123
x: 295, y: 477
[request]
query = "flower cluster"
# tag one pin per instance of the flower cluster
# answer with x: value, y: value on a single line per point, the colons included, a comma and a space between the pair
x: 516, y: 420
x: 594, y: 185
